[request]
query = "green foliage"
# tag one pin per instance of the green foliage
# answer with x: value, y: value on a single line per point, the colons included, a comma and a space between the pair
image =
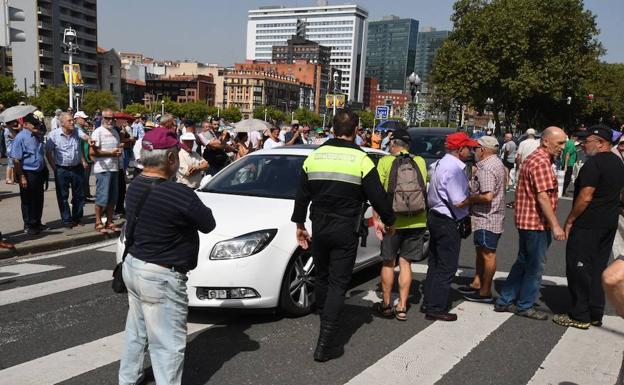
x: 607, y: 85
x: 366, y: 118
x: 136, y: 108
x: 272, y: 113
x: 197, y: 111
x: 307, y: 117
x: 97, y: 100
x: 50, y: 98
x: 232, y: 114
x: 528, y: 55
x: 171, y: 107
x: 9, y: 96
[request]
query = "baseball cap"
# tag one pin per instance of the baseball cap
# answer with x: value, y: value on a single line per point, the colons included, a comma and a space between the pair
x: 187, y: 136
x: 160, y: 138
x: 137, y: 116
x: 401, y: 133
x: 599, y: 130
x: 489, y: 142
x: 530, y: 131
x: 458, y: 140
x: 149, y: 124
x: 80, y: 114
x: 294, y: 122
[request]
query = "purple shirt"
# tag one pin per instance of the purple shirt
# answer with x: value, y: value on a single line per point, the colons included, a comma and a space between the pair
x: 448, y: 181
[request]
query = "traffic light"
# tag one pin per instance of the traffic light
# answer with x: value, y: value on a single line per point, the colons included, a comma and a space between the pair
x: 9, y: 14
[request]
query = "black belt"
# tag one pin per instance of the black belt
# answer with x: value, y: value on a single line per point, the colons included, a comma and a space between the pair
x: 440, y: 215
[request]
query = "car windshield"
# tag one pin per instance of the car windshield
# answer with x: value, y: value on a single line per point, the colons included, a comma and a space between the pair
x: 271, y: 176
x: 428, y: 146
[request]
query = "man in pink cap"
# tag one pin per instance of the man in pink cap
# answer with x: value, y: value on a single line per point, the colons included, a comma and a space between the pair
x: 448, y: 199
x: 161, y: 247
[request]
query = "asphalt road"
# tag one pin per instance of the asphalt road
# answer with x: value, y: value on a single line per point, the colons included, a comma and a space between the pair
x: 64, y: 324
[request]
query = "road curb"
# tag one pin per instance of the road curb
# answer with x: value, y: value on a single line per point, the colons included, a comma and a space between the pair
x: 56, y: 244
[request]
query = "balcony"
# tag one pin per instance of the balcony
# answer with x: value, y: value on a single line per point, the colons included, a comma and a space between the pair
x: 73, y: 20
x: 45, y: 39
x: 45, y: 53
x: 44, y: 11
x: 44, y: 25
x: 78, y: 8
x: 45, y: 67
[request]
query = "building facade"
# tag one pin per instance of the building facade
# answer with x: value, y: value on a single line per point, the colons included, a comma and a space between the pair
x: 181, y: 89
x: 429, y: 41
x: 391, y: 53
x: 371, y: 88
x: 343, y: 28
x: 39, y: 60
x: 250, y: 89
x: 109, y: 73
x: 196, y: 68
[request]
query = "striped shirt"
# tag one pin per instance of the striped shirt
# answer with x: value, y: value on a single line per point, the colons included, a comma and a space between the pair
x: 490, y: 177
x: 66, y: 148
x: 106, y: 139
x: 536, y: 175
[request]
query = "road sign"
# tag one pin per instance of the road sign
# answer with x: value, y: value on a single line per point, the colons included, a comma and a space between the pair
x: 381, y: 112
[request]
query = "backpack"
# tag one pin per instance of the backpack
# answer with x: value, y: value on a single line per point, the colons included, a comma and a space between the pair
x: 406, y: 187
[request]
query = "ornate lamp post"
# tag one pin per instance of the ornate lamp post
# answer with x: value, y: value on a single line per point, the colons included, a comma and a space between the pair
x: 414, y: 82
x: 70, y: 40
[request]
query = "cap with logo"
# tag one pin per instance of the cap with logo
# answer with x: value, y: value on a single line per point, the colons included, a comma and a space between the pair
x: 599, y: 130
x: 458, y: 140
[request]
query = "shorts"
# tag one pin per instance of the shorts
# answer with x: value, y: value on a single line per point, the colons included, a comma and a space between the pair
x: 509, y: 165
x: 486, y: 239
x: 106, y: 188
x: 405, y: 243
x: 9, y: 162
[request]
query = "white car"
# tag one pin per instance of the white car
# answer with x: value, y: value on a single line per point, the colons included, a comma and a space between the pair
x: 252, y: 259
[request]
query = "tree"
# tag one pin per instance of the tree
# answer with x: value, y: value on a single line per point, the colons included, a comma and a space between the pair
x: 196, y: 111
x: 50, y: 98
x: 232, y: 114
x: 307, y: 117
x: 272, y: 114
x: 607, y: 88
x: 528, y: 55
x: 366, y: 118
x: 9, y: 96
x: 97, y: 100
x: 136, y: 108
x: 171, y: 107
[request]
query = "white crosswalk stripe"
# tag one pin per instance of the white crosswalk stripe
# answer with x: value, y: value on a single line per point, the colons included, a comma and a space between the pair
x: 15, y: 271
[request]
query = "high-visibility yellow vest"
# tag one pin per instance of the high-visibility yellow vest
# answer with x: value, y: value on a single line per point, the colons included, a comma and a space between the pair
x: 340, y: 164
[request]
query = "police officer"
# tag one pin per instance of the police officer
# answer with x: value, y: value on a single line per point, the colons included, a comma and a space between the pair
x: 338, y: 177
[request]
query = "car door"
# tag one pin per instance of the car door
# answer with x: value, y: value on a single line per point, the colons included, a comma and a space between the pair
x: 371, y: 250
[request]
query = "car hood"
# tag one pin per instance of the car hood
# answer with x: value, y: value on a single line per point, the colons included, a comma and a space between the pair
x: 238, y: 214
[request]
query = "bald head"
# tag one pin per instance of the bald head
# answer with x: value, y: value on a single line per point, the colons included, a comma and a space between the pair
x: 553, y: 140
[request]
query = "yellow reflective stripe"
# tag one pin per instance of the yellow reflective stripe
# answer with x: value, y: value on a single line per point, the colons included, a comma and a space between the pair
x: 335, y: 176
x: 337, y: 159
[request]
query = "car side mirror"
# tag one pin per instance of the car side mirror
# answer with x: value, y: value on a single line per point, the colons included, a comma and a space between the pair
x: 204, y: 182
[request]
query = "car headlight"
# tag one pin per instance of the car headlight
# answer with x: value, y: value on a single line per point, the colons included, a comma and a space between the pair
x: 244, y: 245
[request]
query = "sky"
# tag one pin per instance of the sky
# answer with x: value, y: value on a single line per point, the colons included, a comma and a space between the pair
x: 214, y: 31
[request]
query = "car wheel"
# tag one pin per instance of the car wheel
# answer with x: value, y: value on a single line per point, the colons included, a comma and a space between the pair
x: 297, y: 291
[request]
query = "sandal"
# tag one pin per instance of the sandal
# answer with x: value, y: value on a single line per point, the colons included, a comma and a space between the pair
x: 565, y: 320
x: 533, y: 314
x: 111, y: 226
x: 99, y: 227
x: 400, y: 314
x: 383, y: 310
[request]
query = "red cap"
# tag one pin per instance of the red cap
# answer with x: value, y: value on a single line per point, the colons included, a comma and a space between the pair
x: 458, y: 140
x: 160, y: 138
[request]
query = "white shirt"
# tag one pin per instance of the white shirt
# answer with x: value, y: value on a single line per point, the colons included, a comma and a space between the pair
x: 254, y: 139
x: 136, y: 150
x: 270, y: 143
x: 106, y: 139
x: 56, y: 123
x: 526, y: 147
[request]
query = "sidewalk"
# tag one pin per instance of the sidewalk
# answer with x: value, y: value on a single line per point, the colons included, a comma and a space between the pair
x: 56, y: 237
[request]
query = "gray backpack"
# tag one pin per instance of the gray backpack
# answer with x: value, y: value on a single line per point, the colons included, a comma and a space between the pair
x: 406, y: 187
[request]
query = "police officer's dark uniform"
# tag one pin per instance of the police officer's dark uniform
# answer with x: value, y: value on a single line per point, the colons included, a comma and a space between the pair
x: 338, y: 177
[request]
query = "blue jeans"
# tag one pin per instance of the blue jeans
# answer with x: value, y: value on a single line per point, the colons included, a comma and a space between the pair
x: 523, y: 282
x: 64, y: 178
x: 157, y: 313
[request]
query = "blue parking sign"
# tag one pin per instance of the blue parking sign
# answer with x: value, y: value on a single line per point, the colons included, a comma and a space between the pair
x: 381, y: 112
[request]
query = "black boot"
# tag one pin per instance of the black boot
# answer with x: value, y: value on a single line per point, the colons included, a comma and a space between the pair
x: 325, y: 347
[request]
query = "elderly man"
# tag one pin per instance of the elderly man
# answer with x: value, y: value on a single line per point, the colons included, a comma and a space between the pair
x: 27, y: 152
x: 488, y: 214
x: 508, y: 155
x: 56, y: 121
x: 591, y: 227
x: 161, y: 249
x: 80, y: 125
x: 536, y: 204
x: 215, y: 151
x: 192, y: 165
x: 106, y: 153
x: 66, y: 158
x: 448, y: 198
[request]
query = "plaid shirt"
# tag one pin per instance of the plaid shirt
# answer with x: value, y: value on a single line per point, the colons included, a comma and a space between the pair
x: 490, y: 177
x: 536, y: 175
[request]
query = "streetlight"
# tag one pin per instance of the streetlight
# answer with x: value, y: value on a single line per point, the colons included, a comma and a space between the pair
x: 77, y: 102
x: 70, y: 40
x: 162, y: 108
x: 414, y: 82
x: 336, y: 76
x: 490, y: 102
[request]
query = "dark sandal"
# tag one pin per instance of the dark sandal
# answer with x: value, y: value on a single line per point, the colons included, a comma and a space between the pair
x: 400, y: 314
x: 383, y: 310
x: 99, y: 227
x: 111, y: 226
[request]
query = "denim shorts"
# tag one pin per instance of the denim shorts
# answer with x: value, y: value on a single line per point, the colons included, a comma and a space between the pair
x: 487, y: 239
x: 106, y: 188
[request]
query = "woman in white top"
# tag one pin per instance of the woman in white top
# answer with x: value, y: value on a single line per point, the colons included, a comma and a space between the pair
x: 273, y: 139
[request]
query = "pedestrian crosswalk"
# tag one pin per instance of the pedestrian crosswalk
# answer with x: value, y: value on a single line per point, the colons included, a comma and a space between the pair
x: 428, y: 354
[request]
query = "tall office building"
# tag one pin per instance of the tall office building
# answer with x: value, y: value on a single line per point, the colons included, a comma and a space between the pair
x: 391, y: 53
x: 39, y: 60
x: 429, y: 41
x: 341, y: 27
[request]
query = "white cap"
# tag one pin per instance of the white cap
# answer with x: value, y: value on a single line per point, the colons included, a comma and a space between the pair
x: 187, y: 136
x: 530, y: 131
x: 80, y: 114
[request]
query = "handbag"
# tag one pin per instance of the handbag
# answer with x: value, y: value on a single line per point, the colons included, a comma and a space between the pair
x: 464, y: 225
x: 118, y: 284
